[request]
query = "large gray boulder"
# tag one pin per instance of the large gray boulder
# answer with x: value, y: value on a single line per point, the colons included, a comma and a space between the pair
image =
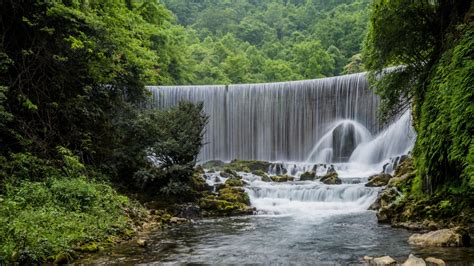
x: 453, y: 237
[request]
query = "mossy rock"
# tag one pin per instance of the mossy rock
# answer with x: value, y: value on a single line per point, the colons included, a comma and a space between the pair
x: 263, y: 175
x: 234, y: 182
x: 252, y: 165
x: 379, y: 180
x: 332, y: 178
x: 405, y: 167
x: 234, y: 194
x: 216, y: 206
x: 282, y: 178
x: 89, y: 247
x: 214, y: 164
x: 308, y: 176
x: 229, y: 173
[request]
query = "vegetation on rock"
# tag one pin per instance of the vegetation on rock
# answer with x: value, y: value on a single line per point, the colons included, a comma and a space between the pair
x: 430, y: 45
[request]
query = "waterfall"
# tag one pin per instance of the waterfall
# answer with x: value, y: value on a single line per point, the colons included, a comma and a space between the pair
x: 281, y: 121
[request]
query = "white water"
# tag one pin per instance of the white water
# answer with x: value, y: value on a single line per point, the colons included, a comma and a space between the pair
x: 310, y: 125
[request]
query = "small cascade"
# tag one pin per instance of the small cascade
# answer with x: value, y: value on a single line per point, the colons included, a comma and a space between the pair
x: 398, y: 139
x: 339, y: 142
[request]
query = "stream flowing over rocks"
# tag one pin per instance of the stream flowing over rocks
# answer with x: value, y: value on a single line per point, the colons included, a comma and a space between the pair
x: 312, y: 160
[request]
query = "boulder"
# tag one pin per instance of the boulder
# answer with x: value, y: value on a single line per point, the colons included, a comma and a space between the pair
x: 331, y: 178
x: 263, y: 175
x: 414, y: 261
x: 142, y: 243
x: 282, y: 178
x: 213, y: 164
x: 307, y: 176
x: 228, y: 173
x: 441, y: 238
x: 435, y: 261
x: 234, y: 182
x: 386, y: 260
x: 378, y: 180
x: 385, y: 198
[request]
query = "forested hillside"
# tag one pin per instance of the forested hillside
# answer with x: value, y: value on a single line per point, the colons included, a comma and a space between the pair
x: 265, y: 41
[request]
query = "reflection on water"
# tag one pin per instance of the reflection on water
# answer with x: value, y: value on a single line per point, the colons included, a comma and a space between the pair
x: 341, y: 239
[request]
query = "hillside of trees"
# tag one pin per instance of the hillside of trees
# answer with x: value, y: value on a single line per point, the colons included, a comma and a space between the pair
x: 266, y: 41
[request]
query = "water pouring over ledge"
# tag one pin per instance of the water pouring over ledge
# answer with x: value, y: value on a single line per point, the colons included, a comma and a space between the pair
x: 329, y: 120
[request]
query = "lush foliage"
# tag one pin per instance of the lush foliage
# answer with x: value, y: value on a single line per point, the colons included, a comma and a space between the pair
x: 72, y: 119
x: 263, y: 41
x: 430, y: 45
x: 47, y: 213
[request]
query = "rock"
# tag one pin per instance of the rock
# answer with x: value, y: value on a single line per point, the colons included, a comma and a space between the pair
x: 213, y: 164
x: 282, y: 178
x: 178, y: 220
x: 278, y: 169
x: 441, y: 238
x: 386, y: 260
x: 62, y: 259
x: 331, y: 179
x: 435, y: 261
x: 307, y: 176
x: 251, y: 165
x: 234, y: 182
x: 142, y: 242
x: 228, y: 173
x: 368, y: 258
x: 383, y: 203
x: 414, y: 261
x: 378, y: 180
x: 263, y: 175
x: 188, y: 211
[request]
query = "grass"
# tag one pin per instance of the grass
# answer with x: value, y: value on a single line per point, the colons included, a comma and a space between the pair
x: 51, y: 220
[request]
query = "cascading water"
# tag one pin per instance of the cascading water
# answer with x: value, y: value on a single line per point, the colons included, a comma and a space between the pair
x: 275, y: 121
x: 310, y: 125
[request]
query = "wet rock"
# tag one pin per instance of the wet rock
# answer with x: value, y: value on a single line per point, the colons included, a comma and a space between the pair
x: 248, y: 165
x: 142, y: 243
x: 307, y: 176
x: 188, y: 211
x: 278, y: 169
x: 213, y: 164
x: 331, y: 170
x: 454, y: 237
x: 368, y: 259
x: 178, y: 220
x: 386, y: 260
x: 378, y: 180
x: 229, y: 173
x: 383, y: 202
x: 331, y: 178
x: 414, y: 261
x: 234, y: 182
x: 434, y: 261
x: 263, y: 175
x: 282, y: 178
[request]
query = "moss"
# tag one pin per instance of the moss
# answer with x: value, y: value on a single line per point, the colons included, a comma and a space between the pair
x: 234, y: 182
x: 282, y: 178
x: 213, y: 164
x: 252, y: 165
x: 234, y: 194
x: 308, y: 176
x: 331, y: 178
x: 89, y: 247
x: 263, y: 175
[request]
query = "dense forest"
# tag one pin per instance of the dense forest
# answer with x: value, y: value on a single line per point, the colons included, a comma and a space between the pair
x: 77, y: 143
x: 265, y: 41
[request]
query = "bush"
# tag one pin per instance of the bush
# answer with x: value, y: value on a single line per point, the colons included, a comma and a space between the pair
x: 40, y: 220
